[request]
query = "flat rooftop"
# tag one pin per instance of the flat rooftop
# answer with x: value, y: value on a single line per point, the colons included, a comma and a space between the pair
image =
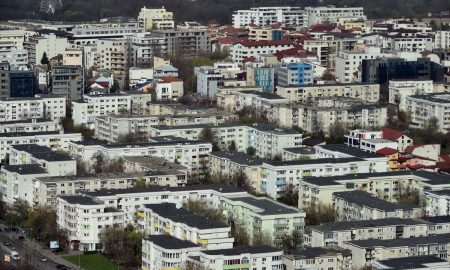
x: 352, y: 225
x: 366, y: 199
x: 301, y: 150
x: 156, y: 164
x: 239, y: 157
x: 88, y: 177
x: 415, y: 262
x: 169, y: 242
x: 403, y: 242
x: 314, y: 252
x: 242, y: 250
x: 267, y: 206
x: 79, y: 199
x: 348, y: 150
x: 313, y: 161
x: 25, y: 169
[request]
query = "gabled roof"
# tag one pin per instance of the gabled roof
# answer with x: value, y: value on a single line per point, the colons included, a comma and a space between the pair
x: 386, y: 151
x: 293, y: 52
x: 261, y: 43
x: 410, y: 149
x: 392, y: 134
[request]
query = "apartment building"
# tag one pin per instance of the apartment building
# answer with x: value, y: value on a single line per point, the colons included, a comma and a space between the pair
x: 262, y: 102
x: 155, y: 18
x: 250, y: 257
x: 310, y: 93
x: 384, y: 185
x: 326, y: 112
x: 264, y: 216
x: 265, y: 16
x: 296, y: 153
x: 55, y: 163
x: 191, y: 154
x: 50, y: 44
x: 369, y: 141
x: 295, y: 74
x: 83, y: 218
x: 15, y: 37
x: 442, y: 40
x: 319, y: 258
x: 68, y: 81
x: 238, y: 165
x: 91, y: 34
x: 409, y: 43
x: 84, y: 111
x: 14, y: 109
x: 424, y: 107
x: 186, y: 42
x: 169, y: 89
x: 226, y: 96
x: 337, y: 234
x: 5, y: 87
x: 400, y: 89
x: 51, y: 139
x: 111, y: 127
x: 158, y: 171
x: 250, y: 48
x: 266, y: 140
x: 333, y: 14
x: 46, y: 189
x: 348, y: 63
x: 366, y: 252
x: 30, y: 125
x: 145, y: 46
x: 161, y: 252
x: 260, y: 75
x: 114, y: 55
x: 73, y: 57
x: 361, y: 205
x: 437, y: 203
x: 17, y: 58
x: 208, y: 80
x: 172, y: 219
x: 17, y: 182
x: 414, y: 262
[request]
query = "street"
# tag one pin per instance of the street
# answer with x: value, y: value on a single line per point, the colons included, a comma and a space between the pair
x: 35, y: 260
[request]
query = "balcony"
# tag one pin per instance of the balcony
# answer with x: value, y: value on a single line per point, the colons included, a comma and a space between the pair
x: 237, y: 266
x: 202, y: 241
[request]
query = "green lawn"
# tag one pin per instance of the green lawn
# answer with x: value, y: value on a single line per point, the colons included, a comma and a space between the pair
x: 92, y: 262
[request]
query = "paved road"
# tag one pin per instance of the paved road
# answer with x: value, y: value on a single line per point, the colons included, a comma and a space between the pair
x: 24, y: 253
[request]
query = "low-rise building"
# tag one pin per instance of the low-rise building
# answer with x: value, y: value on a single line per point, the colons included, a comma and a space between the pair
x: 335, y: 234
x: 415, y: 263
x: 169, y: 89
x: 298, y: 153
x: 360, y: 205
x: 83, y: 218
x: 172, y: 219
x: 425, y: 107
x: 366, y: 252
x: 30, y: 125
x: 44, y: 106
x: 319, y: 258
x: 249, y: 48
x: 161, y: 252
x: 251, y: 257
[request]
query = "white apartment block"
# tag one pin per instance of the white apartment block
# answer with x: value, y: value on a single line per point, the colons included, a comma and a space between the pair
x: 369, y: 141
x: 83, y: 218
x: 208, y: 80
x: 55, y: 163
x: 366, y: 252
x: 172, y: 219
x: 383, y: 185
x: 245, y: 49
x: 424, y: 107
x: 267, y: 140
x: 319, y: 258
x: 145, y: 46
x: 333, y: 14
x: 17, y: 59
x: 17, y: 182
x: 161, y: 252
x: 402, y: 43
x: 48, y: 188
x: 156, y: 18
x: 308, y: 93
x: 73, y: 57
x: 191, y: 154
x: 360, y: 205
x: 30, y: 125
x: 336, y: 234
x: 169, y: 89
x: 51, y: 139
x: 14, y: 109
x: 349, y: 62
x: 85, y: 110
x: 50, y: 44
x: 15, y: 37
x: 437, y: 203
x: 111, y: 127
x: 275, y: 175
x: 442, y: 40
x: 400, y: 89
x: 260, y: 215
x: 114, y: 55
x: 265, y: 16
x: 261, y: 102
x: 251, y: 257
x: 92, y: 33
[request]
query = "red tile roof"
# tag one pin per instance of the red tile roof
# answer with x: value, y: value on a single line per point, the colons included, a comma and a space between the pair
x: 262, y: 43
x: 411, y: 148
x: 392, y: 134
x: 322, y: 27
x: 293, y: 52
x: 386, y: 151
x: 170, y: 79
x: 249, y: 59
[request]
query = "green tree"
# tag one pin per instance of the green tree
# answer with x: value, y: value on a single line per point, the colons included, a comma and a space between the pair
x: 44, y: 59
x: 251, y: 151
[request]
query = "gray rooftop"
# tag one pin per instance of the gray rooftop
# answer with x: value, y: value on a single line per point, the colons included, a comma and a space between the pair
x: 314, y: 252
x: 415, y: 262
x: 313, y: 161
x: 403, y: 242
x: 352, y: 225
x: 242, y: 250
x: 352, y: 151
x: 169, y: 242
x: 156, y: 164
x: 268, y: 206
x: 79, y: 199
x: 239, y: 157
x: 366, y: 199
x: 25, y: 169
x: 301, y: 150
x: 181, y: 215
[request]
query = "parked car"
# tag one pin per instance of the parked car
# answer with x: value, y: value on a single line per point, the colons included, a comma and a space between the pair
x: 21, y: 238
x: 7, y: 243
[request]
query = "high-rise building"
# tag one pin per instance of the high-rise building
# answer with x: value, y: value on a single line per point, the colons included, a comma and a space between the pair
x: 23, y: 83
x: 68, y: 81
